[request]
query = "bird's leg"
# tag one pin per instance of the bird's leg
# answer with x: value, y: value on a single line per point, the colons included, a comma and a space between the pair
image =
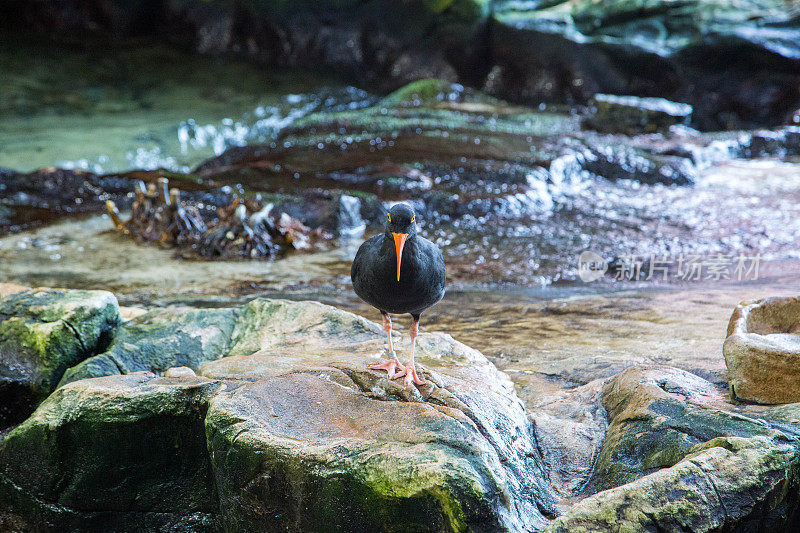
x: 387, y: 327
x: 392, y: 364
x: 410, y: 371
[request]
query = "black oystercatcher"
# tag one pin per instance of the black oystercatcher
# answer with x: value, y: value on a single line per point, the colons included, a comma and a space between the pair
x: 399, y: 272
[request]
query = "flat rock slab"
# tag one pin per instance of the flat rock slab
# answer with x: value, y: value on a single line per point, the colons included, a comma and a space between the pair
x: 762, y: 351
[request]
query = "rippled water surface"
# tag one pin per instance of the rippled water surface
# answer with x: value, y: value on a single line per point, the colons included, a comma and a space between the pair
x: 155, y: 109
x: 145, y: 108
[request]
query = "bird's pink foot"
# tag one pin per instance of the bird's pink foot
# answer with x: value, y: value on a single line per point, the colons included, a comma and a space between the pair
x: 410, y: 374
x: 391, y: 366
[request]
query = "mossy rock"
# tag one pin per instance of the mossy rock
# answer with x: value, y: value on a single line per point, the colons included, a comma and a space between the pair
x: 430, y: 92
x: 161, y: 339
x: 678, y: 456
x: 301, y: 452
x: 657, y: 416
x: 42, y: 333
x: 126, y: 453
x: 289, y: 431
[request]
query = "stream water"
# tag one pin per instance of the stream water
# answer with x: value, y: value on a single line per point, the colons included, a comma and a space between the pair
x: 156, y: 109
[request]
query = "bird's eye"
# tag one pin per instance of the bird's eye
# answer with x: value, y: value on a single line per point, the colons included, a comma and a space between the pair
x: 413, y: 218
x: 389, y: 216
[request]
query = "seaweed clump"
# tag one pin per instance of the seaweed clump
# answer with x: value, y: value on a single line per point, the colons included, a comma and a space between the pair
x: 246, y: 228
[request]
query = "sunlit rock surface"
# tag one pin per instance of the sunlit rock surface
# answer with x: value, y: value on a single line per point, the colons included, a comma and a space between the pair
x: 762, y: 351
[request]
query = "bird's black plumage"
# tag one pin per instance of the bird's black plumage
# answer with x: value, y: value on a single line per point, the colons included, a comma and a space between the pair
x: 422, y: 272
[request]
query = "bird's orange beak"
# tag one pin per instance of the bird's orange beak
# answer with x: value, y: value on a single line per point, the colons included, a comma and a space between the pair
x: 399, y: 242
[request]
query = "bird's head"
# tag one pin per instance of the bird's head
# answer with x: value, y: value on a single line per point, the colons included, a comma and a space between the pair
x: 401, y: 222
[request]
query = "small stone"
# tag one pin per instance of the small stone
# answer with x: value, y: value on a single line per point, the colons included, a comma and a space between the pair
x: 179, y: 372
x: 632, y: 115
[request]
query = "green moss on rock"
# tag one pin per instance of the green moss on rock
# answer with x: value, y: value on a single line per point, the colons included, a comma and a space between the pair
x: 160, y: 339
x: 45, y: 331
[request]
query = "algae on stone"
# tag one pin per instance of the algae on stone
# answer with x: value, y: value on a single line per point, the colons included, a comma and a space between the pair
x: 161, y: 339
x: 42, y: 333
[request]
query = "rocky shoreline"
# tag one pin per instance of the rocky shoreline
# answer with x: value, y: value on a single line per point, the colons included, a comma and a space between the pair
x: 265, y: 417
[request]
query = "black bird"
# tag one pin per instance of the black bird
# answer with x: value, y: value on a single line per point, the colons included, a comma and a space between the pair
x: 399, y: 272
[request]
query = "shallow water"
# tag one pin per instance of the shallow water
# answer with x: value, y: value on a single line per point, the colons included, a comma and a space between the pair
x: 153, y: 109
x: 144, y: 108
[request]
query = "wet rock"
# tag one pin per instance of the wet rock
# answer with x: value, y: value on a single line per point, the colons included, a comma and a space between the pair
x: 298, y: 435
x: 31, y: 199
x: 569, y: 51
x: 159, y: 340
x: 633, y: 115
x: 678, y: 456
x: 736, y: 63
x: 762, y: 351
x: 122, y: 452
x: 570, y: 428
x: 461, y: 448
x: 379, y: 42
x: 42, y: 333
x: 729, y: 483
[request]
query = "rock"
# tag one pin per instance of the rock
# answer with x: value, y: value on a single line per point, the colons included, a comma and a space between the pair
x: 47, y: 194
x: 727, y: 484
x: 42, y: 333
x: 159, y: 340
x: 570, y: 427
x: 678, y: 456
x: 528, y: 52
x: 179, y: 372
x: 762, y: 351
x: 431, y: 91
x: 572, y: 50
x: 463, y: 451
x: 379, y: 42
x: 120, y: 452
x: 290, y: 431
x: 633, y: 115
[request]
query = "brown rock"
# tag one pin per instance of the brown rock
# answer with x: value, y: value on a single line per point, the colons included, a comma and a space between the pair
x: 762, y: 351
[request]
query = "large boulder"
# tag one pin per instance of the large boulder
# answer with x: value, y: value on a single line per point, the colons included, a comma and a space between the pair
x: 678, y: 456
x: 377, y: 41
x: 345, y: 446
x: 762, y: 351
x: 126, y: 453
x: 42, y: 333
x: 727, y: 484
x: 736, y: 63
x: 289, y: 431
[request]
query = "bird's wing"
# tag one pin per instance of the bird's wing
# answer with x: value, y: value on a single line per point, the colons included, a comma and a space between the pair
x: 361, y: 256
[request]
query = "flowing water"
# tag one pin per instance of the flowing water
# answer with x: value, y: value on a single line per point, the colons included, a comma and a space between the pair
x: 155, y: 109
